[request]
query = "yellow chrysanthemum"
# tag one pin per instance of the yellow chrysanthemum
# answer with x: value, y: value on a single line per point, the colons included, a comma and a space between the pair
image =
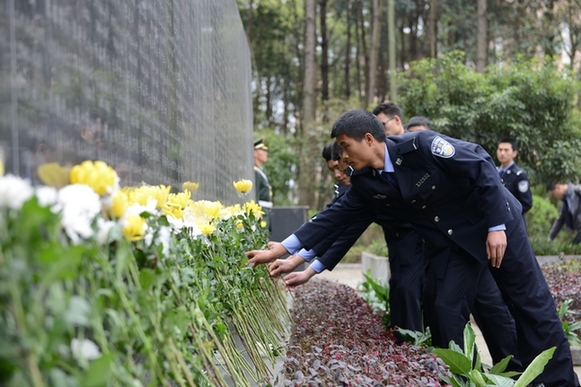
x: 190, y: 186
x: 254, y: 208
x: 206, y: 228
x: 263, y: 224
x: 180, y: 199
x: 173, y: 211
x: 138, y: 195
x: 142, y: 194
x: 120, y: 203
x: 239, y: 225
x: 135, y: 227
x: 243, y: 186
x: 204, y: 209
x: 97, y: 175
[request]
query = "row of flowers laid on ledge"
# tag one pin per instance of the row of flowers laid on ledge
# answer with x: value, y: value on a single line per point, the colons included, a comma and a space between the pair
x: 107, y: 285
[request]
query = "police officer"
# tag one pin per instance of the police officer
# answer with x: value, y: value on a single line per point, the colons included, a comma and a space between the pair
x: 263, y: 188
x: 514, y: 178
x: 450, y: 191
x: 417, y: 123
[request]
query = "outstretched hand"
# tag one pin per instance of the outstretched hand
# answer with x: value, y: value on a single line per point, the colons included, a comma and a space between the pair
x: 292, y: 280
x: 256, y: 257
x: 283, y: 266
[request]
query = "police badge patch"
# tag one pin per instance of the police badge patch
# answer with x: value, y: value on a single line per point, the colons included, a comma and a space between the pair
x: 442, y: 148
x: 523, y: 186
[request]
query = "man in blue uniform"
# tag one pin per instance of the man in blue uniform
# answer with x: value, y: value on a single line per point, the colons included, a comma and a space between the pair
x: 450, y: 191
x: 405, y: 254
x: 407, y: 265
x: 514, y: 178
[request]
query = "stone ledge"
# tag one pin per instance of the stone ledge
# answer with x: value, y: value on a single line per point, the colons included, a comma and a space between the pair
x: 544, y: 259
x: 576, y: 355
x: 377, y: 265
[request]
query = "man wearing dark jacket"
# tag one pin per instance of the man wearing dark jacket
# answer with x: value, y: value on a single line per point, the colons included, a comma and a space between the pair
x: 450, y: 191
x: 570, y: 215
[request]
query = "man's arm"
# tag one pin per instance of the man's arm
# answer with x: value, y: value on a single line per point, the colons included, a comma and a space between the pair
x: 470, y: 161
x: 335, y: 253
x: 558, y: 224
x: 342, y: 213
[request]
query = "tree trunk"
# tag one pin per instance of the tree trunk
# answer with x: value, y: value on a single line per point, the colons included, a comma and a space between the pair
x: 432, y: 27
x: 482, y: 37
x: 358, y: 55
x: 374, y: 52
x: 364, y: 53
x: 310, y: 77
x: 324, y: 50
x: 347, y: 67
x: 249, y: 20
x: 308, y: 165
x: 551, y: 30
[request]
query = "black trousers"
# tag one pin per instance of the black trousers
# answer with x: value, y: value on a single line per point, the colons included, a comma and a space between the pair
x: 529, y: 300
x: 526, y: 294
x: 406, y: 286
x: 467, y: 287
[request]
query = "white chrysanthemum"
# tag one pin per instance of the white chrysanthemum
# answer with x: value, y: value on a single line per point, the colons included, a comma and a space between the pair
x: 176, y: 224
x: 14, y: 191
x: 164, y: 238
x: 78, y: 205
x: 148, y: 237
x: 47, y: 196
x: 84, y: 349
x: 138, y: 209
x: 193, y: 230
x: 103, y: 228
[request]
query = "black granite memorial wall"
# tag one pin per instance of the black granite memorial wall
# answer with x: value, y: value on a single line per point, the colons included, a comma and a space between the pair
x: 158, y: 89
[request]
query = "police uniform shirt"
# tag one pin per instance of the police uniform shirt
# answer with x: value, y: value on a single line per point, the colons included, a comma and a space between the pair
x: 517, y: 182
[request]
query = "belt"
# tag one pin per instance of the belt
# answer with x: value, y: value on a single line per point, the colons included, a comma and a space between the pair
x: 265, y: 204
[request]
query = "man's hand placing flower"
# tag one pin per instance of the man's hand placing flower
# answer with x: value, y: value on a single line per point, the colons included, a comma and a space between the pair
x: 256, y: 257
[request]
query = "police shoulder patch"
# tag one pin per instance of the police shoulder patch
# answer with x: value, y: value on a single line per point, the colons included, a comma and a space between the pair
x: 442, y: 148
x: 523, y: 186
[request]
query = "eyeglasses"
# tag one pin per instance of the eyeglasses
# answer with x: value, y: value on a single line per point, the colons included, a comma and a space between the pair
x: 385, y: 123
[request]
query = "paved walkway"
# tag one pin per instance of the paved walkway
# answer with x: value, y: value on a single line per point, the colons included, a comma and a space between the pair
x: 351, y: 275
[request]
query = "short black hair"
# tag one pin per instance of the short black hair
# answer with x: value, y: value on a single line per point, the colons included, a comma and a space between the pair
x: 550, y: 186
x: 418, y: 121
x: 332, y: 151
x: 389, y: 109
x: 509, y: 140
x: 356, y: 123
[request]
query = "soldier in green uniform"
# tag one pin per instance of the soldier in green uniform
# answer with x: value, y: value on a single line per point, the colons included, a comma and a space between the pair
x: 263, y: 188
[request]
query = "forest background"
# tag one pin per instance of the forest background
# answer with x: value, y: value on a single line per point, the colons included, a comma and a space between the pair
x: 479, y: 70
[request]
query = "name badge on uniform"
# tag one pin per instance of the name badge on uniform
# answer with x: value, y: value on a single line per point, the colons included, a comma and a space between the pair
x: 442, y: 148
x: 523, y: 186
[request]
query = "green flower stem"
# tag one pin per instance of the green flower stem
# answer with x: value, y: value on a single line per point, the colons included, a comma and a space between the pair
x: 235, y: 373
x: 207, y: 359
x: 20, y: 322
x: 137, y: 326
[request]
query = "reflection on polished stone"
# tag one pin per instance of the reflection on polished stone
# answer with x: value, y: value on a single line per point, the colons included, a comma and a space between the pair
x: 151, y: 88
